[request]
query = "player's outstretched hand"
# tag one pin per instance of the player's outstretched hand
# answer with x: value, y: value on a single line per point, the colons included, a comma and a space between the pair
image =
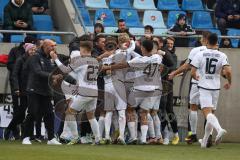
x: 227, y: 86
x: 171, y: 75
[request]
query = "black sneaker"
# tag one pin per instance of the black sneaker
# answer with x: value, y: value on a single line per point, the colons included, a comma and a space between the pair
x: 209, y: 142
x: 192, y: 139
x: 6, y: 134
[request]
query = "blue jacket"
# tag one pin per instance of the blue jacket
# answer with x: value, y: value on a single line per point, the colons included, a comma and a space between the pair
x: 227, y: 7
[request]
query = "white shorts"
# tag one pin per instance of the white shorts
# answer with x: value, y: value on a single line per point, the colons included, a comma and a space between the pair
x: 145, y: 99
x: 80, y: 103
x: 194, y: 95
x: 115, y: 96
x: 208, y: 98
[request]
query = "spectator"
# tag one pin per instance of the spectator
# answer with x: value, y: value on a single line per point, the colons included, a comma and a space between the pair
x: 225, y: 43
x: 228, y: 15
x: 98, y: 28
x: 122, y: 28
x: 17, y: 16
x: 38, y: 6
x: 39, y: 92
x: 182, y: 29
x: 148, y: 31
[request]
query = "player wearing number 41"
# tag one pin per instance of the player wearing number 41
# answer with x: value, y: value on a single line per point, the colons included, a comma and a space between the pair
x: 194, y: 92
x: 210, y: 64
x: 85, y: 92
x: 146, y: 89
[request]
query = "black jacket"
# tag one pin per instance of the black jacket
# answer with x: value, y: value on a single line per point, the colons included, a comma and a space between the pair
x: 38, y: 3
x: 13, y: 55
x: 20, y: 74
x: 40, y: 66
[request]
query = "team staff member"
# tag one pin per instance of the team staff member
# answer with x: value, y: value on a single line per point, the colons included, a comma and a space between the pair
x: 39, y: 96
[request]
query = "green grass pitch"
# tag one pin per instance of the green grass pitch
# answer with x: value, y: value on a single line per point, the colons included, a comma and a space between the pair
x: 17, y: 151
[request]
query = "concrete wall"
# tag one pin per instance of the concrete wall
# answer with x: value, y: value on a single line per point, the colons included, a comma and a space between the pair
x: 228, y: 108
x: 63, y: 15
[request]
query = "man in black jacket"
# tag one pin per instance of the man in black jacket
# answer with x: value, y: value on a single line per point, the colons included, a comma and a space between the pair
x: 14, y: 54
x: 38, y: 6
x: 166, y: 104
x: 39, y: 92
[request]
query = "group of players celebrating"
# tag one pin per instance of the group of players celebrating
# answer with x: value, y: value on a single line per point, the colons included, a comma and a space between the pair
x: 133, y: 89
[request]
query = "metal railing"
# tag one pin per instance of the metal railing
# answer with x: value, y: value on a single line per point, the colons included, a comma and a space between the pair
x: 25, y: 32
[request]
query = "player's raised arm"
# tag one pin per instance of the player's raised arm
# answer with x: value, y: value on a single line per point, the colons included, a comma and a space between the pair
x: 62, y: 67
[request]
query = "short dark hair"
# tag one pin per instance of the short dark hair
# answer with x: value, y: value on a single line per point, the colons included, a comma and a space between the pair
x: 85, y: 37
x: 147, y: 44
x: 121, y: 20
x: 205, y: 34
x: 213, y: 39
x: 171, y: 38
x: 88, y: 45
x: 99, y: 37
x: 149, y: 27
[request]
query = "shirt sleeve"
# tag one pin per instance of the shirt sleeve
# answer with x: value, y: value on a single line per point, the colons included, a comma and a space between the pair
x: 196, y: 61
x: 225, y: 61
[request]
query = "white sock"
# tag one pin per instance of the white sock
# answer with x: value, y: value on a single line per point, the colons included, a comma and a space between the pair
x: 212, y: 119
x: 132, y: 129
x: 101, y: 125
x: 144, y: 129
x: 95, y: 129
x: 211, y: 131
x: 157, y: 126
x: 122, y: 123
x: 70, y: 127
x: 115, y: 121
x: 151, y: 131
x: 208, y: 129
x: 108, y: 122
x: 193, y: 119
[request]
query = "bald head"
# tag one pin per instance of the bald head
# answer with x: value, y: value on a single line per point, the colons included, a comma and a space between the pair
x: 48, y: 46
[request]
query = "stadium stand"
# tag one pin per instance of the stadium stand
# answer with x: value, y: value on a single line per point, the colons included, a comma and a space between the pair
x: 57, y: 39
x: 79, y: 3
x: 96, y: 4
x: 2, y: 5
x: 16, y: 38
x: 234, y: 32
x: 131, y: 17
x: 107, y: 17
x: 144, y: 4
x: 192, y: 5
x: 153, y: 18
x: 201, y: 20
x: 86, y: 17
x: 168, y: 5
x: 122, y: 4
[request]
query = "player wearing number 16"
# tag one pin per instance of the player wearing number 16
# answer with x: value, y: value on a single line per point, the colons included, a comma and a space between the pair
x: 210, y: 63
x: 84, y: 94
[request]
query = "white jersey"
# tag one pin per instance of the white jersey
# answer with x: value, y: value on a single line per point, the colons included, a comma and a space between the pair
x: 192, y: 54
x: 209, y: 63
x: 86, y: 70
x: 146, y: 72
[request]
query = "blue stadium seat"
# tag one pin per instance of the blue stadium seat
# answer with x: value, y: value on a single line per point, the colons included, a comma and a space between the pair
x: 110, y: 29
x: 234, y: 32
x: 3, y: 3
x: 192, y: 5
x: 16, y: 38
x: 144, y: 4
x: 120, y: 4
x: 131, y: 17
x: 135, y: 31
x: 42, y: 23
x: 201, y: 20
x: 79, y: 3
x: 160, y: 31
x: 107, y: 16
x: 172, y: 17
x: 85, y: 16
x: 57, y: 39
x: 90, y: 29
x: 96, y: 4
x: 153, y: 18
x: 168, y: 5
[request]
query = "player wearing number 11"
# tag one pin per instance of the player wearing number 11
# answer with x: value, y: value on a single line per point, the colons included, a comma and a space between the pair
x: 210, y: 64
